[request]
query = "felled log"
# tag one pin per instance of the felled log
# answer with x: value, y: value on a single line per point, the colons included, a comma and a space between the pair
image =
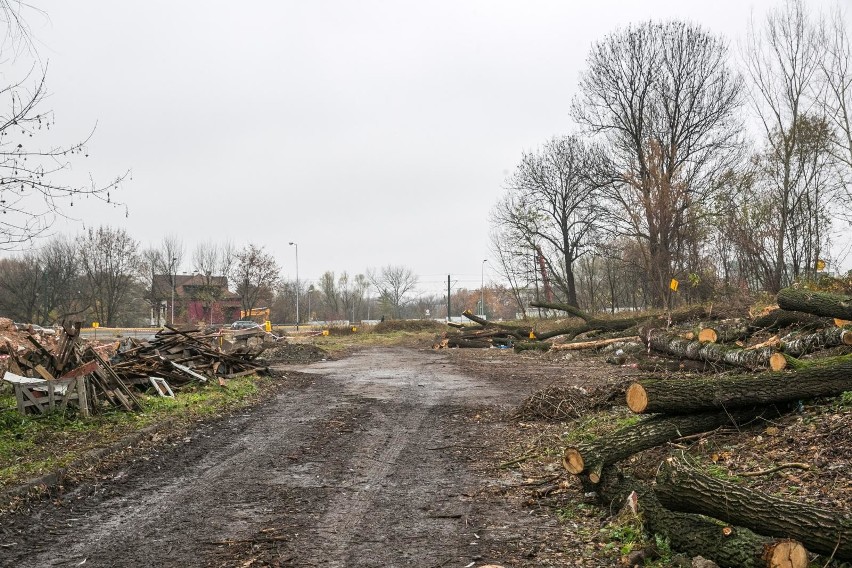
x: 701, y: 394
x: 779, y: 319
x: 615, y: 324
x: 664, y: 342
x: 580, y: 345
x: 592, y: 457
x: 829, y: 337
x: 695, y: 535
x: 799, y: 364
x: 518, y: 332
x: 817, y: 303
x: 682, y: 488
x: 467, y: 343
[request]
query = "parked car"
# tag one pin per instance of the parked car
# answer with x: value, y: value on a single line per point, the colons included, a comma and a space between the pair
x: 245, y: 324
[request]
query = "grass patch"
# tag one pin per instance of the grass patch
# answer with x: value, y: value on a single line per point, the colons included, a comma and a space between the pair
x: 34, y: 445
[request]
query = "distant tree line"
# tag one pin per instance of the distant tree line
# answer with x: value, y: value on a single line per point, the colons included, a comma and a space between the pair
x: 729, y: 174
x: 105, y: 275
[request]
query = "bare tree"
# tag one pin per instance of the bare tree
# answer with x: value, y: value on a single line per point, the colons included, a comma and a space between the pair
x: 836, y: 67
x: 783, y: 61
x: 666, y: 100
x: 32, y: 193
x: 394, y: 283
x: 255, y: 275
x: 109, y: 259
x: 551, y: 204
x: 62, y: 288
x: 208, y: 260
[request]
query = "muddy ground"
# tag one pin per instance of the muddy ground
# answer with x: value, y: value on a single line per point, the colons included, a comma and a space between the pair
x: 388, y: 457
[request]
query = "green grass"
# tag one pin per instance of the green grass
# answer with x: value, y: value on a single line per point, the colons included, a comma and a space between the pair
x: 33, y: 445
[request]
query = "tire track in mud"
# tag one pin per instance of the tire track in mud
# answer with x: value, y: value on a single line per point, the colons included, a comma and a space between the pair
x: 363, y: 467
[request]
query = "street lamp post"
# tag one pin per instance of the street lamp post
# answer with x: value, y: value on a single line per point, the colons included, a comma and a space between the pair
x: 297, y: 283
x: 174, y: 269
x: 482, y: 290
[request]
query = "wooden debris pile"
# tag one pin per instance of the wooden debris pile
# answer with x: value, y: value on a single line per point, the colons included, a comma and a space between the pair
x: 752, y: 528
x: 184, y: 354
x: 483, y: 334
x: 71, y: 375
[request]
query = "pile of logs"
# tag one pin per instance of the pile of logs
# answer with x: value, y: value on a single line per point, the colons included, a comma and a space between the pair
x: 482, y: 334
x: 752, y: 528
x: 184, y: 354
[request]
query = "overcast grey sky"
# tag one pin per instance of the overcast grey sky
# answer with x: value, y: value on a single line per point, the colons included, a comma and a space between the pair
x: 370, y: 132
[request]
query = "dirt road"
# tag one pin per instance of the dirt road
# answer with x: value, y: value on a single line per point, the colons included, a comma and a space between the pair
x: 378, y: 459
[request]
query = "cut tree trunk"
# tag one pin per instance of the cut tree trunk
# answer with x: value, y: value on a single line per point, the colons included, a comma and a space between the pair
x: 817, y: 303
x: 830, y: 337
x: 701, y: 394
x: 682, y: 488
x: 579, y: 345
x: 675, y: 345
x: 591, y: 458
x: 779, y: 319
x: 695, y: 535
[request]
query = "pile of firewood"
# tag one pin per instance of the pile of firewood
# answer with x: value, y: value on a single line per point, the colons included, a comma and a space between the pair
x: 189, y: 354
x: 753, y: 528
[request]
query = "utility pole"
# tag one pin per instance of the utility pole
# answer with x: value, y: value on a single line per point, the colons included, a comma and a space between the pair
x: 448, y: 298
x: 482, y: 291
x: 297, y: 284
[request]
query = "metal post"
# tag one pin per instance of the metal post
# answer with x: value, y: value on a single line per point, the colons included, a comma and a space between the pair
x: 297, y: 283
x: 482, y: 290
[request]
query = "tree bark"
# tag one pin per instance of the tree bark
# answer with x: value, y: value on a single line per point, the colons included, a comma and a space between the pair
x: 817, y: 303
x: 594, y: 344
x: 682, y: 488
x: 779, y: 319
x: 830, y: 337
x: 695, y: 535
x: 675, y: 396
x: 593, y: 457
x: 675, y: 345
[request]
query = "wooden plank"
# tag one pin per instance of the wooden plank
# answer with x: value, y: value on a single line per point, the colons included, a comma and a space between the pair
x: 82, y: 402
x: 51, y: 395
x: 83, y: 369
x: 44, y: 373
x: 19, y: 396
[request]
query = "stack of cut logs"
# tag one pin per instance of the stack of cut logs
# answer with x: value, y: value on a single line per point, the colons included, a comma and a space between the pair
x: 188, y: 354
x: 756, y: 529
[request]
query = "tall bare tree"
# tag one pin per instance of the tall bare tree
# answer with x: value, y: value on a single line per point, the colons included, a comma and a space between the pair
x: 782, y: 58
x: 551, y: 204
x: 665, y: 98
x: 836, y: 67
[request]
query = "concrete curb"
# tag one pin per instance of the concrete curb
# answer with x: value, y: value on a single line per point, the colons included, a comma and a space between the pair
x: 53, y: 480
